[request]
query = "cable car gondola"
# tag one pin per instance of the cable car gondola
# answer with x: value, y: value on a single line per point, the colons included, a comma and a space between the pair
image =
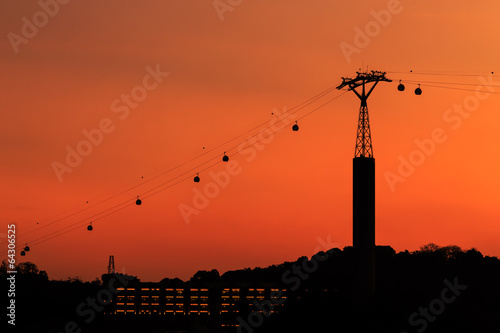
x: 401, y: 87
x: 418, y: 91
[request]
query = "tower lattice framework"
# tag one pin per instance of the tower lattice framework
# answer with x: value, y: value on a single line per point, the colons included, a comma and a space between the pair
x: 111, y: 265
x: 364, y: 146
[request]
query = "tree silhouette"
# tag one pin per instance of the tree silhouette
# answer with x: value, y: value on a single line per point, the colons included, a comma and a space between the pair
x: 406, y: 282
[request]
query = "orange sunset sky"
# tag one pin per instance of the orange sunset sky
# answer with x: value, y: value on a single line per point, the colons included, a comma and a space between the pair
x: 233, y: 65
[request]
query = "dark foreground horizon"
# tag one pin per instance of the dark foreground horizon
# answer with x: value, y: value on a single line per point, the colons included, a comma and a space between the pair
x: 435, y: 289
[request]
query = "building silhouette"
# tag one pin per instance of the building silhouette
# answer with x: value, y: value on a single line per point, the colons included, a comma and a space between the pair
x: 178, y: 301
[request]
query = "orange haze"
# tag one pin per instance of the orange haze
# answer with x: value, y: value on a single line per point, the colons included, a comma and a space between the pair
x: 283, y: 200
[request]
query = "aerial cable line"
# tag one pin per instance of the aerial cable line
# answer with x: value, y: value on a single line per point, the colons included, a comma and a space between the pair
x: 279, y: 130
x: 453, y: 83
x: 438, y: 73
x: 118, y: 207
x: 456, y: 88
x: 254, y: 143
x: 289, y: 113
x: 298, y: 107
x: 196, y: 168
x: 78, y: 224
x: 319, y: 107
x: 82, y: 222
x: 126, y: 203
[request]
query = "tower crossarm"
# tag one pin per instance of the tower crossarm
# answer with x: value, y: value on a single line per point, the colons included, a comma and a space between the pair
x: 363, y: 78
x: 364, y: 146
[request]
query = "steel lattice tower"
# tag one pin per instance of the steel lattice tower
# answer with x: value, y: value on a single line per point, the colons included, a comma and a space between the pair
x: 364, y: 136
x: 363, y: 204
x: 111, y: 265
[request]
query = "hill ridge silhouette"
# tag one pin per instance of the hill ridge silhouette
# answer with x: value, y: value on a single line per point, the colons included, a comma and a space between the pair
x: 464, y: 282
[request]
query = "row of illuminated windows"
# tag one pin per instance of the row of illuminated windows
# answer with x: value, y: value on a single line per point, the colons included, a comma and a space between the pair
x: 204, y: 290
x: 228, y: 290
x: 158, y: 312
x: 171, y: 289
x: 183, y: 311
x: 227, y: 296
x: 169, y: 305
x: 129, y: 300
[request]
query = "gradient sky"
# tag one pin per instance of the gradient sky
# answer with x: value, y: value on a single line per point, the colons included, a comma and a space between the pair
x: 225, y: 77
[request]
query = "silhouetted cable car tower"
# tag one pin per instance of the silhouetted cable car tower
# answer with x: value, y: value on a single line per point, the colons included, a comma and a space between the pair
x: 111, y: 265
x: 363, y: 215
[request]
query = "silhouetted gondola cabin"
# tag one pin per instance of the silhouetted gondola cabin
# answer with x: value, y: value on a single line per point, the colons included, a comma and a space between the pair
x: 401, y: 87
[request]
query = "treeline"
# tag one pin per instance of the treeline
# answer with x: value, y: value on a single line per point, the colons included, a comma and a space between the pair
x: 434, y: 289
